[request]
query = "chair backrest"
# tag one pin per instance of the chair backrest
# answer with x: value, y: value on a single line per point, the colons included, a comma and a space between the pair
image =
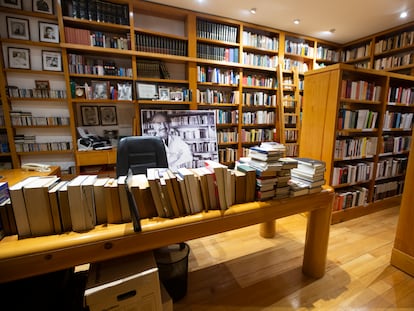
x: 139, y: 153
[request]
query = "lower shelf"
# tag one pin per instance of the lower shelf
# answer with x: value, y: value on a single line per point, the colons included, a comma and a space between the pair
x: 354, y: 212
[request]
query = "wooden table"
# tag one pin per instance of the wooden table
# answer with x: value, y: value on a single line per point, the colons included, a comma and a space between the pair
x: 38, y: 255
x: 13, y: 176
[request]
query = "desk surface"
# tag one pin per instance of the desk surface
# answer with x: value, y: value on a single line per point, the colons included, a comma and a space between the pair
x: 13, y: 176
x: 32, y: 256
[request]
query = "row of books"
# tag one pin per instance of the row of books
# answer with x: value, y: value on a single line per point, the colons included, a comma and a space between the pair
x: 227, y: 155
x: 22, y: 118
x: 227, y: 136
x: 162, y: 45
x: 227, y: 116
x: 258, y: 80
x: 98, y: 10
x: 394, y: 144
x: 214, y: 96
x: 357, y: 119
x: 356, y: 52
x: 328, y: 54
x: 38, y: 146
x: 152, y: 69
x: 394, y: 61
x: 260, y: 41
x: 292, y: 150
x: 400, y: 40
x: 394, y: 120
x: 80, y: 64
x: 391, y: 167
x: 290, y: 64
x: 215, y: 31
x: 97, y: 38
x: 299, y: 48
x: 389, y: 189
x: 360, y: 90
x: 352, y: 173
x: 350, y: 197
x: 217, y: 75
x: 251, y: 99
x: 355, y: 148
x: 258, y: 117
x: 213, y: 52
x: 256, y: 135
x: 291, y: 135
x: 400, y: 95
x: 260, y: 60
x: 15, y: 92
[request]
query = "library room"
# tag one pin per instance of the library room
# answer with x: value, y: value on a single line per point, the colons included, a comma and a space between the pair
x: 206, y: 155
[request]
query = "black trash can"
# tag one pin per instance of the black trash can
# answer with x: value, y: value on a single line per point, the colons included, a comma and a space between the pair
x: 172, y: 262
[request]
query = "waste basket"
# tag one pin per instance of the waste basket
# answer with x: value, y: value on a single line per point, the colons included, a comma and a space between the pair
x: 172, y: 262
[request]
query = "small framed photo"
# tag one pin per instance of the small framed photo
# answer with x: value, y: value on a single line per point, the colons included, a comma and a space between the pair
x: 90, y: 115
x: 164, y: 93
x: 48, y: 32
x: 100, y: 89
x: 14, y: 4
x: 146, y: 91
x: 177, y: 96
x: 108, y: 115
x: 124, y: 91
x: 19, y: 58
x: 18, y: 28
x: 42, y: 84
x: 42, y: 6
x: 52, y: 61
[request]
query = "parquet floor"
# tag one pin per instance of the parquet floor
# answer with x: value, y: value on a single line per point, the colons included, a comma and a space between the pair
x: 239, y: 270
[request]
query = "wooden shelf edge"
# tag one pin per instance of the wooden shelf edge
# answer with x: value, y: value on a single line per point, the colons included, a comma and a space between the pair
x: 402, y: 261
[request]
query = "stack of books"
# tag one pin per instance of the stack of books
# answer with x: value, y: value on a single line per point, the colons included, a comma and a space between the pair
x: 308, y: 174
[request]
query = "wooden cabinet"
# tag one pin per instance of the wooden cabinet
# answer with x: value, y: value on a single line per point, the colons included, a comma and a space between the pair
x: 359, y: 122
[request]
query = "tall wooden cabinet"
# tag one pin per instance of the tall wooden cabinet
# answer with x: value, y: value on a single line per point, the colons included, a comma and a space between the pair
x: 359, y: 121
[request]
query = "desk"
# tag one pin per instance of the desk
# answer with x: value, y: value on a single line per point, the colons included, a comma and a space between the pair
x: 34, y: 256
x: 12, y: 176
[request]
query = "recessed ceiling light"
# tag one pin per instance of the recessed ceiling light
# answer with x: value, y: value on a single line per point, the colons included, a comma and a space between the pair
x: 403, y: 14
x: 296, y: 21
x: 253, y: 10
x: 332, y: 30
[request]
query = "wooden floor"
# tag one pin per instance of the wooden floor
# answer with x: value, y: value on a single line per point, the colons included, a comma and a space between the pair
x: 239, y: 270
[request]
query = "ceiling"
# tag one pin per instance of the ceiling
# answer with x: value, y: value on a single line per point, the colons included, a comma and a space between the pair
x: 350, y: 19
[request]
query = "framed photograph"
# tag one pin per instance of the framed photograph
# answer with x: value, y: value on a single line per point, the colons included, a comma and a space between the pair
x: 100, y: 89
x: 42, y: 84
x: 177, y: 96
x: 18, y: 28
x: 90, y: 115
x: 42, y: 6
x: 52, y: 61
x: 147, y: 91
x: 164, y: 93
x: 108, y: 115
x: 19, y: 58
x: 14, y: 4
x: 124, y: 91
x: 48, y: 32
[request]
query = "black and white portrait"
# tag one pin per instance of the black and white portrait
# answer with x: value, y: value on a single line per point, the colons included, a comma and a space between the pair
x: 108, y: 115
x: 14, y: 4
x: 19, y: 58
x: 124, y: 91
x: 43, y: 6
x: 100, y: 89
x: 18, y: 28
x: 52, y: 61
x: 48, y: 32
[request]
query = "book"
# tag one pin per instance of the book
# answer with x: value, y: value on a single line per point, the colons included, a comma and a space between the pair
x: 4, y: 191
x: 166, y: 180
x: 239, y: 186
x: 8, y: 223
x: 184, y: 193
x: 36, y: 198
x: 133, y: 208
x: 123, y: 199
x: 220, y: 172
x: 177, y: 192
x: 99, y: 196
x: 64, y: 208
x: 112, y: 202
x: 54, y: 206
x: 19, y: 207
x: 192, y: 185
x: 250, y: 180
x: 212, y: 188
x: 140, y: 188
x: 157, y: 195
x: 202, y: 177
x: 81, y: 202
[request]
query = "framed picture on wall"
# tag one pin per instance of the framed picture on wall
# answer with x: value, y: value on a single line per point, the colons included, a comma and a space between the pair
x: 100, y: 89
x: 42, y: 6
x: 164, y: 93
x: 14, y: 4
x: 124, y: 91
x: 19, y: 58
x: 147, y: 91
x: 108, y: 115
x: 42, y: 84
x: 48, y: 32
x: 52, y: 61
x: 90, y: 115
x: 18, y: 28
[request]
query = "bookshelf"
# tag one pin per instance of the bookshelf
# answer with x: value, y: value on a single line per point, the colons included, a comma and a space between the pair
x: 344, y: 124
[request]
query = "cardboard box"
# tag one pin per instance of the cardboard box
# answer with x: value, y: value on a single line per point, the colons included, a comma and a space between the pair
x: 127, y: 283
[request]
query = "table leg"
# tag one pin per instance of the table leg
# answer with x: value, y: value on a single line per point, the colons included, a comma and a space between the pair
x: 268, y: 229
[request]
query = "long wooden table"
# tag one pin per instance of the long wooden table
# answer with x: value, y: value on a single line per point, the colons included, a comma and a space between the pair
x: 14, y: 175
x: 39, y: 255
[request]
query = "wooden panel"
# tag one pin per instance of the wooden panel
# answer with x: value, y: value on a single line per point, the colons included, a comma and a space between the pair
x: 96, y: 157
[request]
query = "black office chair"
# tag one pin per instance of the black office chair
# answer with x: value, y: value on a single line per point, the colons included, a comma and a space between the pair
x: 139, y: 153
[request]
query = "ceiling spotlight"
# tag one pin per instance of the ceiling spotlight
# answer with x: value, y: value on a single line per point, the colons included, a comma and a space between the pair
x: 332, y: 30
x: 296, y: 21
x: 403, y: 14
x: 253, y: 10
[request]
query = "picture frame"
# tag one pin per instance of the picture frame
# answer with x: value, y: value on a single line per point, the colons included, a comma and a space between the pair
x: 48, y: 32
x: 124, y: 91
x: 164, y: 93
x: 90, y: 115
x: 42, y: 6
x: 108, y: 115
x: 14, y: 4
x: 18, y: 28
x: 177, y: 96
x: 42, y: 84
x: 51, y: 60
x: 100, y: 89
x: 19, y: 58
x: 147, y: 91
